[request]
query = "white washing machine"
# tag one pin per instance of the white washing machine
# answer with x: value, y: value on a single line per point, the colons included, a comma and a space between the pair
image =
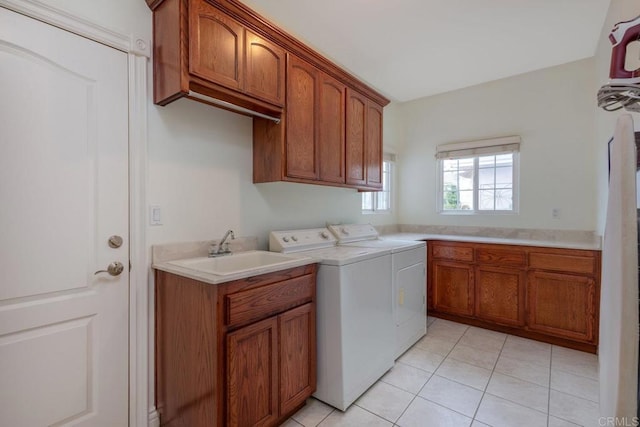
x: 355, y: 333
x: 408, y: 281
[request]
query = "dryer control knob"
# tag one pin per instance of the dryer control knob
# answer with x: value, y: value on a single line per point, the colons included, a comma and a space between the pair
x: 344, y: 231
x: 285, y: 239
x: 324, y: 235
x: 294, y: 238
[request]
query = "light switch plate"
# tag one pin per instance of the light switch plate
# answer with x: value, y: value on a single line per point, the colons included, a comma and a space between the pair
x: 155, y: 215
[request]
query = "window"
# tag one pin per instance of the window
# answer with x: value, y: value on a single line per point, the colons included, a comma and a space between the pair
x: 380, y: 201
x: 479, y: 176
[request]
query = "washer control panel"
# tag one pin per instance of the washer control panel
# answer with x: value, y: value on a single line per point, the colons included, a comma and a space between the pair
x: 301, y: 240
x: 347, y: 233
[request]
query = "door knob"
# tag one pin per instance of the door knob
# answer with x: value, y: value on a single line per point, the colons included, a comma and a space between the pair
x: 114, y: 269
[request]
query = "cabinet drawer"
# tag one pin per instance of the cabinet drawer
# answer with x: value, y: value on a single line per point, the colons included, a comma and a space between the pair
x: 565, y: 263
x: 254, y: 304
x: 453, y: 252
x: 501, y: 257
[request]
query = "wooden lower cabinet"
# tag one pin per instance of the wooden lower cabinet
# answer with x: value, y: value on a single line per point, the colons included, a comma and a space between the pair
x: 252, y: 367
x: 236, y: 354
x: 548, y: 294
x: 500, y: 295
x: 562, y: 305
x: 452, y: 288
x: 297, y: 355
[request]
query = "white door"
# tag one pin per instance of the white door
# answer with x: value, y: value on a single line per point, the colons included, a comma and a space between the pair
x: 63, y: 193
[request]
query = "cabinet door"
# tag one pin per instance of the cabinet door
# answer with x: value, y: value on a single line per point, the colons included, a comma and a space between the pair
x: 452, y: 288
x: 562, y: 305
x: 374, y: 145
x: 216, y: 46
x: 500, y: 295
x: 264, y: 69
x: 331, y: 126
x: 297, y: 331
x: 252, y: 370
x: 356, y: 133
x: 301, y: 158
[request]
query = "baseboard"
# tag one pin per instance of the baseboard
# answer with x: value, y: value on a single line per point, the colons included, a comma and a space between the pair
x: 154, y: 418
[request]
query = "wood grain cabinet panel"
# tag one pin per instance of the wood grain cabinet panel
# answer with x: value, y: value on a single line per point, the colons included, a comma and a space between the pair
x: 302, y: 134
x: 501, y: 257
x: 250, y: 305
x: 452, y: 251
x: 500, y: 295
x: 374, y: 145
x: 562, y: 305
x: 216, y: 45
x: 567, y: 262
x: 297, y: 333
x: 356, y: 155
x: 331, y: 130
x: 252, y: 365
x: 453, y: 288
x: 264, y: 69
x: 240, y: 354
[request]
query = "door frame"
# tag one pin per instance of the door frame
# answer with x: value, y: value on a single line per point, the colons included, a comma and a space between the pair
x: 138, y: 50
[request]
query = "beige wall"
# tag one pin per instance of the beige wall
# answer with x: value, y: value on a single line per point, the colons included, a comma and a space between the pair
x: 200, y: 173
x: 551, y: 109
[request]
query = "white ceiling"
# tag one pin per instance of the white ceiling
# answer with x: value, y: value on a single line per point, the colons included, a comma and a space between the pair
x: 409, y: 49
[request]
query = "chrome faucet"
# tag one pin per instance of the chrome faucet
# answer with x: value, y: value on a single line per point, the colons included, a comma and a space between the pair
x: 223, y: 248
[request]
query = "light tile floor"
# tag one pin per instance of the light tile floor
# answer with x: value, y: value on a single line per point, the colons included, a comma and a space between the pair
x: 460, y: 376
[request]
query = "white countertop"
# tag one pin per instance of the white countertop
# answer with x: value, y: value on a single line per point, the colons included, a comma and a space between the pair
x: 566, y: 244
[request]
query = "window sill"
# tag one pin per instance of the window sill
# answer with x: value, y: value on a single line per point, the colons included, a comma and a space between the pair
x: 376, y: 212
x: 470, y: 213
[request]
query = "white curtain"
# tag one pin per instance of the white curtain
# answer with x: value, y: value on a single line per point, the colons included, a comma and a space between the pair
x: 618, y: 349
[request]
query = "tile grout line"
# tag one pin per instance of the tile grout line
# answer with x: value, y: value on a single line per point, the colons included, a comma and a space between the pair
x: 549, y: 390
x: 432, y: 374
x: 484, y: 392
x: 393, y: 423
x: 327, y: 416
x: 373, y: 413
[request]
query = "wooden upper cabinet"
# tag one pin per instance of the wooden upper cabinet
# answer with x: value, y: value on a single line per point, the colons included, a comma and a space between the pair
x: 356, y: 134
x: 363, y: 145
x: 264, y: 69
x: 216, y: 46
x: 331, y: 132
x: 202, y: 52
x: 301, y: 128
x: 374, y: 145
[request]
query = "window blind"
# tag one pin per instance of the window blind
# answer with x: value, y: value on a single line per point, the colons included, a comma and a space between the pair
x: 456, y: 150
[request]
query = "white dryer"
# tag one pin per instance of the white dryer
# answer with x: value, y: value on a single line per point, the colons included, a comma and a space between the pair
x: 408, y: 279
x: 355, y: 333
